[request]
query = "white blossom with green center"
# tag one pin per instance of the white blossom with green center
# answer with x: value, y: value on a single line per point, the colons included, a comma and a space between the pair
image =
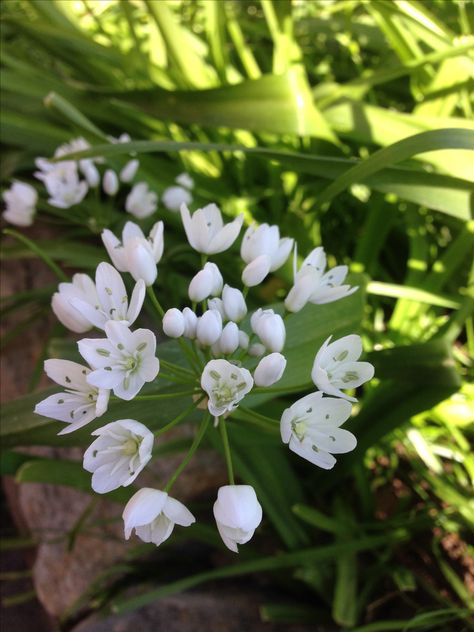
x: 225, y: 384
x: 335, y: 366
x: 118, y: 455
x: 111, y: 299
x: 123, y: 361
x: 79, y: 403
x: 311, y: 427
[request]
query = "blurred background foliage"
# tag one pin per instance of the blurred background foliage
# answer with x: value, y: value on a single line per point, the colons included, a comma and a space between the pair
x: 349, y: 124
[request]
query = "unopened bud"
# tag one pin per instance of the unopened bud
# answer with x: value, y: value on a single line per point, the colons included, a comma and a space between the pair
x: 270, y: 369
x: 173, y: 323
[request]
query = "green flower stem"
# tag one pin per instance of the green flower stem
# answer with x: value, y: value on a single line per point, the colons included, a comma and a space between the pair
x: 203, y: 260
x: 38, y: 251
x: 179, y: 371
x: 245, y: 291
x: 252, y: 414
x: 194, y: 446
x: 156, y: 303
x: 284, y: 389
x: 164, y: 395
x: 180, y: 417
x: 259, y: 423
x: 227, y: 454
x: 175, y: 378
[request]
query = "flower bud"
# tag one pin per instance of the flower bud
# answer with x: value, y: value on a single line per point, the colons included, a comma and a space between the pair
x: 128, y: 172
x: 216, y: 303
x: 174, y: 196
x: 209, y: 327
x: 91, y: 173
x: 190, y: 323
x: 299, y: 294
x: 256, y: 350
x: 270, y: 328
x: 238, y: 513
x: 173, y: 323
x: 270, y: 369
x: 141, y: 263
x: 110, y: 182
x: 234, y: 303
x: 254, y: 273
x: 243, y: 339
x: 229, y: 340
x: 206, y: 282
x: 68, y: 315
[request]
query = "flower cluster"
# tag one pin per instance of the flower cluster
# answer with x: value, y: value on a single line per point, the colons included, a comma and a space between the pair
x: 68, y: 182
x: 230, y: 352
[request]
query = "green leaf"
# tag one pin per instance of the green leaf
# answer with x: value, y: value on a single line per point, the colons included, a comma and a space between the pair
x: 434, y: 140
x: 452, y: 196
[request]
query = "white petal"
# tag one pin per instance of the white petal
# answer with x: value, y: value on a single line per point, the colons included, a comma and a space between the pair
x: 226, y: 237
x: 256, y: 271
x: 178, y: 513
x: 142, y: 508
x: 69, y: 374
x: 282, y: 254
x: 98, y: 352
x: 136, y: 301
x: 315, y: 456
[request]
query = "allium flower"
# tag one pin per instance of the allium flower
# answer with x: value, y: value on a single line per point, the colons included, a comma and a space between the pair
x: 62, y: 183
x: 336, y: 367
x: 153, y: 514
x: 190, y: 323
x: 263, y: 251
x: 311, y: 427
x: 123, y: 361
x: 110, y: 182
x: 229, y: 340
x: 209, y: 327
x: 206, y: 231
x: 141, y: 202
x: 173, y: 323
x: 135, y: 253
x: 129, y: 171
x: 269, y: 370
x: 270, y: 328
x: 80, y: 403
x: 234, y: 304
x: 118, y: 455
x: 82, y: 288
x: 20, y: 200
x: 238, y: 513
x: 207, y: 282
x: 86, y: 165
x: 312, y: 285
x: 225, y: 384
x: 111, y: 299
x: 173, y: 197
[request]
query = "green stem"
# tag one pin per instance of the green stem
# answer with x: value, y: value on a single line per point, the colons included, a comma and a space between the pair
x: 225, y: 443
x: 263, y: 425
x: 163, y: 395
x: 251, y: 413
x: 192, y: 450
x: 179, y: 418
x: 174, y: 378
x: 179, y: 371
x: 155, y: 301
x: 38, y: 251
x: 284, y: 389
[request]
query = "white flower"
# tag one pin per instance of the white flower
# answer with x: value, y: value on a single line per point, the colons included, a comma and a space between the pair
x: 336, y: 367
x: 153, y: 514
x: 209, y: 327
x: 129, y: 170
x: 205, y: 230
x: 141, y: 202
x: 270, y: 328
x: 86, y: 165
x: 312, y: 285
x: 238, y: 513
x: 83, y: 288
x: 80, y: 403
x: 270, y: 369
x: 264, y: 252
x: 229, y: 340
x: 311, y: 427
x: 244, y: 339
x: 120, y: 453
x: 225, y: 384
x: 174, y: 196
x: 217, y: 304
x: 123, y: 361
x: 135, y: 253
x: 20, y: 200
x: 234, y: 303
x: 207, y: 282
x: 185, y: 180
x: 190, y: 323
x: 174, y: 323
x: 62, y: 183
x: 110, y: 182
x: 110, y: 301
